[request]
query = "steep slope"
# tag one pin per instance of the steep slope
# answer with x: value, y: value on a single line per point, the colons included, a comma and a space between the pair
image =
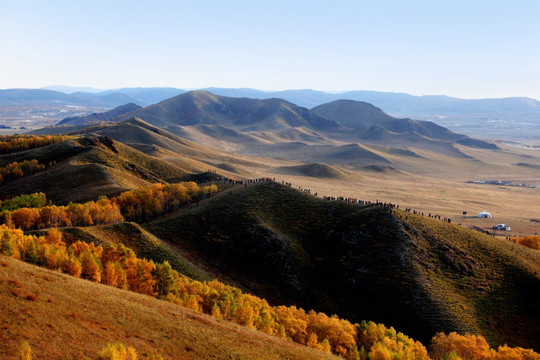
x: 87, y: 168
x: 100, y: 117
x: 364, y: 263
x: 63, y: 317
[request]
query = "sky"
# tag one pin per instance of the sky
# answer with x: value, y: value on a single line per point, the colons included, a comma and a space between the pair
x: 466, y: 49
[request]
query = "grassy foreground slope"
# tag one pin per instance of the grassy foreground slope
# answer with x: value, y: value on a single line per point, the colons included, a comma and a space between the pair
x: 68, y: 318
x: 364, y: 263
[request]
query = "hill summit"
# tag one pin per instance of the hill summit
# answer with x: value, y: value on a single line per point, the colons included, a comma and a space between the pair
x: 204, y: 108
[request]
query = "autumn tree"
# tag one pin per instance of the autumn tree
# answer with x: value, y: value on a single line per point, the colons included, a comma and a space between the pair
x: 36, y: 200
x: 25, y: 218
x: 468, y: 347
x: 117, y: 351
x: 507, y: 353
x: 25, y: 351
x: 165, y: 279
x: 139, y: 275
x: 89, y: 266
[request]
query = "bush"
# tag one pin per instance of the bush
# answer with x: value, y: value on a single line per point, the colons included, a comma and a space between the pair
x: 25, y: 351
x: 117, y: 351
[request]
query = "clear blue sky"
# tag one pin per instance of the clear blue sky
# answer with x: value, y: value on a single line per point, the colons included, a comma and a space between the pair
x: 470, y: 49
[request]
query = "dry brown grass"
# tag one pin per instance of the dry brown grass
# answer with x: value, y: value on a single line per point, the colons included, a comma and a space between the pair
x: 73, y: 319
x: 429, y: 182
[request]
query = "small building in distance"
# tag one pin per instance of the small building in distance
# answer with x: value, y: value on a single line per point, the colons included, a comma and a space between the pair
x: 484, y: 214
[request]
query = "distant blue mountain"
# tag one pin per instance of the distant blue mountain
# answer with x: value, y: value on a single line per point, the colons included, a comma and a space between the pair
x: 73, y: 89
x: 397, y: 104
x: 11, y: 97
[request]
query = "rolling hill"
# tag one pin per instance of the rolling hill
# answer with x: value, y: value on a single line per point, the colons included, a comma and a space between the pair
x: 396, y: 103
x: 317, y: 170
x: 507, y: 118
x: 178, y: 151
x: 63, y: 317
x: 363, y: 263
x: 204, y: 108
x: 277, y: 128
x: 86, y: 168
x: 260, y: 127
x: 377, y: 124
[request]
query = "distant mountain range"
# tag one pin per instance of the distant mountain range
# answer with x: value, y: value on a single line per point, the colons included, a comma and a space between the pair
x: 34, y: 97
x: 107, y: 116
x: 333, y: 132
x: 397, y: 104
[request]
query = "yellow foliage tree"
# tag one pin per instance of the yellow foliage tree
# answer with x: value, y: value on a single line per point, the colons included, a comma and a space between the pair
x: 25, y: 351
x: 468, y: 347
x: 117, y: 351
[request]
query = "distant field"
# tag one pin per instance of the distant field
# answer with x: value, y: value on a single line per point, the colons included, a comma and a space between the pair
x: 512, y: 206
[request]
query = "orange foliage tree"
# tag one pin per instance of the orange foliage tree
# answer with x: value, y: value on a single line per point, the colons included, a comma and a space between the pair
x: 532, y: 242
x: 15, y: 143
x: 134, y: 205
x: 16, y: 170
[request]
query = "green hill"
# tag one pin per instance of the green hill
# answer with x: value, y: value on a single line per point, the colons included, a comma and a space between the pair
x: 363, y: 263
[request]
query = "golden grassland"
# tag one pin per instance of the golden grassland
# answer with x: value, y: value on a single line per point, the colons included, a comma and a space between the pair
x: 68, y: 318
x: 439, y: 186
x: 429, y: 182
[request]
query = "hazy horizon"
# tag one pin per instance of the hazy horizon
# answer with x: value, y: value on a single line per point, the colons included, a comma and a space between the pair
x: 73, y: 89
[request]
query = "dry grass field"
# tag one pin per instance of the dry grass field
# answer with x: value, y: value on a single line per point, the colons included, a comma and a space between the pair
x: 437, y: 184
x: 65, y: 318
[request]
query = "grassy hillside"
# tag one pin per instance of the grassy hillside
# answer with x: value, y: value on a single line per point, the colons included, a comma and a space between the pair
x: 202, y: 107
x: 139, y: 240
x: 88, y: 167
x: 65, y: 318
x: 491, y: 284
x: 187, y: 155
x: 363, y: 263
x: 313, y: 170
x: 358, y: 114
